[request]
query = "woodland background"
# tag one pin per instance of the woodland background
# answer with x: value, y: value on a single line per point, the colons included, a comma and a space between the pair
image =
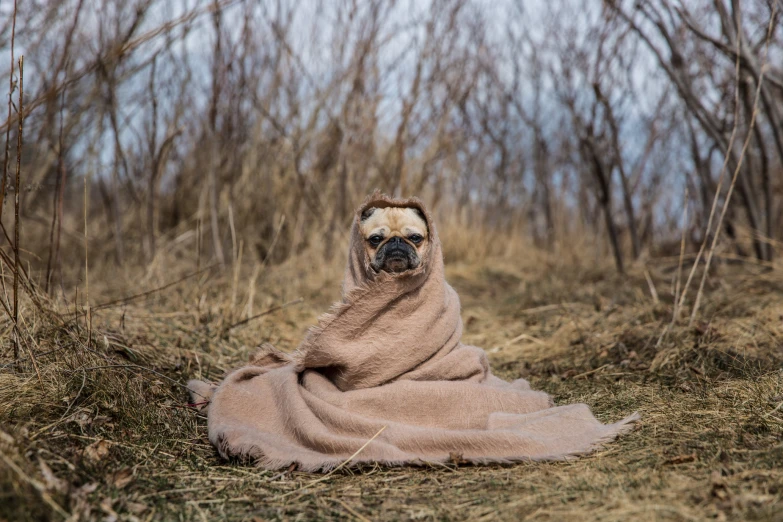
x: 179, y: 179
x: 614, y: 124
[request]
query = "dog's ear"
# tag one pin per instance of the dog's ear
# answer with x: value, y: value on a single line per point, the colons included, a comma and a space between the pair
x: 367, y: 213
x: 420, y: 213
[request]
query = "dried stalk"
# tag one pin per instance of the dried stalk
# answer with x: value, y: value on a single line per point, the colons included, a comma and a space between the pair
x: 19, y: 144
x: 87, y: 259
x: 8, y: 126
x: 57, y: 205
x: 736, y: 173
x: 721, y: 176
x: 676, y: 313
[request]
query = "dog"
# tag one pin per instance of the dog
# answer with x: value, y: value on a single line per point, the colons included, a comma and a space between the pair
x: 395, y: 238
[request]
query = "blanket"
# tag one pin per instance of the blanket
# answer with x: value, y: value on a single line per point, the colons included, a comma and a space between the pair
x: 385, y: 378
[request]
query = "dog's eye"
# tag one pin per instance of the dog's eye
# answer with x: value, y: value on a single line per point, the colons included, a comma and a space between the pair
x: 415, y: 238
x: 375, y: 240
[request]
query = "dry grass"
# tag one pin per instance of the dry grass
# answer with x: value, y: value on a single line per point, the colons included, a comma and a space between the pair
x: 106, y: 434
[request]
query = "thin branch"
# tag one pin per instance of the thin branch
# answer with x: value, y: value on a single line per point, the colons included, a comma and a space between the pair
x: 8, y: 126
x: 267, y: 312
x: 19, y: 145
x: 734, y: 178
x: 720, y: 184
x: 125, y: 300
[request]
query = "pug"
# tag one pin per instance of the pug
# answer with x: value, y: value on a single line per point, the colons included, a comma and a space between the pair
x: 395, y: 238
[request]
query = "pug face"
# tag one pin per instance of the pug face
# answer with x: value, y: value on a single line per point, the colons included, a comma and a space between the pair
x: 395, y: 238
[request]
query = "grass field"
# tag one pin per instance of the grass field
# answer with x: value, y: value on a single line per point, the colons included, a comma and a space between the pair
x: 99, y: 429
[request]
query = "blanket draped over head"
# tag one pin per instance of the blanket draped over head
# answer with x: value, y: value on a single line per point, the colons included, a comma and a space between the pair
x: 386, y: 365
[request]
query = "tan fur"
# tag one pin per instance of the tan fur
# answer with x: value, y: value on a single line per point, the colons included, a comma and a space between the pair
x: 394, y: 221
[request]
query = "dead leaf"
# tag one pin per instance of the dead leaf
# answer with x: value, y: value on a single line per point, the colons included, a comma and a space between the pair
x: 456, y: 458
x: 121, y: 478
x: 97, y: 450
x: 137, y: 508
x: 106, y: 507
x: 88, y: 488
x: 50, y: 479
x: 83, y: 419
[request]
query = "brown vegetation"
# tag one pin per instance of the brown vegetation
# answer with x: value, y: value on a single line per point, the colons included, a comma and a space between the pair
x: 106, y: 430
x: 177, y: 188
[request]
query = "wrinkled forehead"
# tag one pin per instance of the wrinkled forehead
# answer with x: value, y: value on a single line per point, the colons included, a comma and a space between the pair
x: 404, y: 220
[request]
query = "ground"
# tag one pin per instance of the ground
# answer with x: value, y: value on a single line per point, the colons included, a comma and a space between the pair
x: 102, y: 430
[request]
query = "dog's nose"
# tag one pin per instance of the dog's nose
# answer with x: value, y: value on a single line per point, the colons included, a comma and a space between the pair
x: 396, y: 240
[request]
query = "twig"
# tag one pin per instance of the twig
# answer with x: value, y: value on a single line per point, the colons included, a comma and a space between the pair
x: 735, y: 176
x: 125, y: 300
x: 676, y: 313
x: 290, y: 468
x: 57, y: 205
x: 551, y: 307
x: 5, y: 302
x: 769, y: 413
x: 274, y: 242
x: 651, y: 284
x: 525, y: 337
x: 345, y: 462
x: 590, y: 372
x: 267, y: 312
x: 721, y: 176
x: 251, y: 293
x: 237, y: 269
x: 233, y: 231
x: 19, y: 144
x: 8, y: 125
x: 350, y: 510
x: 32, y: 356
x: 86, y: 260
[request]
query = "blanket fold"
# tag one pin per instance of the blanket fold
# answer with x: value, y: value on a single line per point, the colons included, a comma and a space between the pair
x: 388, y: 359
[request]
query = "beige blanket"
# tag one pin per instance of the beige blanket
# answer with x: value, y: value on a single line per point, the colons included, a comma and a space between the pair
x: 387, y: 362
